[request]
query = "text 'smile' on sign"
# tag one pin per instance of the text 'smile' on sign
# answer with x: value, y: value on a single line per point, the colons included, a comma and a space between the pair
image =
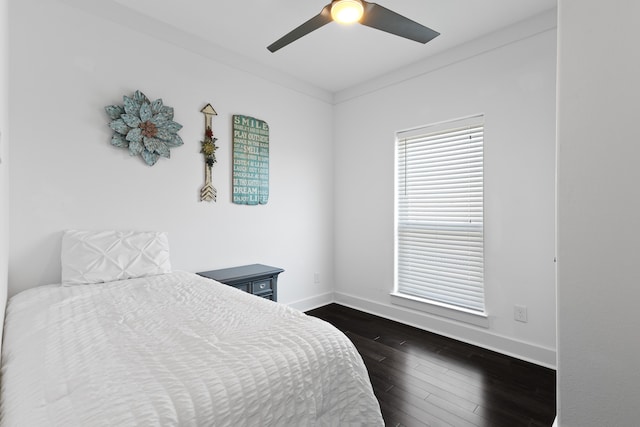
x: 250, y: 161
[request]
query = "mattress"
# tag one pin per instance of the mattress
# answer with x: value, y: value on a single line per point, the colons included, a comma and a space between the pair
x: 175, y: 350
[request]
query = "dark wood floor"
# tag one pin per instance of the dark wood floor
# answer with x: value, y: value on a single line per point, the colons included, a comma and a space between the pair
x: 424, y: 379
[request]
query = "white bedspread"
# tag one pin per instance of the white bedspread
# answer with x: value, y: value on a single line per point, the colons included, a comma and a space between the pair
x: 175, y: 350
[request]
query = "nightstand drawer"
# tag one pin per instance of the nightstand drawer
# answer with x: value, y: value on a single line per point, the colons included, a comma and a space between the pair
x: 262, y: 286
x: 243, y: 286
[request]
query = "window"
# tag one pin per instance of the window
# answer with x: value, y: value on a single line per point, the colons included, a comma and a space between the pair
x: 439, y: 215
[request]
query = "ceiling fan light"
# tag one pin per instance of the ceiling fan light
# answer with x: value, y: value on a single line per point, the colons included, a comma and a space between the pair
x: 347, y: 11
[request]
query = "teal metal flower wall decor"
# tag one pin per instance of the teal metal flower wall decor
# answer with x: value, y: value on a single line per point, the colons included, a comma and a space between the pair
x: 146, y: 128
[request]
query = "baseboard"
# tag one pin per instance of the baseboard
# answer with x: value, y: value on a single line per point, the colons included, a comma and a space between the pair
x: 313, y: 302
x: 476, y: 336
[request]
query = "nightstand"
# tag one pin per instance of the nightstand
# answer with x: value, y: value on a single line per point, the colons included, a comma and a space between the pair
x: 256, y: 279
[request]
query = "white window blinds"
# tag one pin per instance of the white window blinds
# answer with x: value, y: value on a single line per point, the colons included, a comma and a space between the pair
x: 439, y: 217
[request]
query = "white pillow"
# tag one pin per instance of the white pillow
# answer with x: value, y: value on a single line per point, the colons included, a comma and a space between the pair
x: 105, y: 256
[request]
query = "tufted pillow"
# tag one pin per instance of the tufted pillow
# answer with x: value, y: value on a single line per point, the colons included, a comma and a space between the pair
x: 105, y: 256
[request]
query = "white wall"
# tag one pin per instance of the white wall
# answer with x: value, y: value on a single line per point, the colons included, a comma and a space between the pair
x: 67, y: 64
x: 514, y: 87
x: 598, y: 210
x: 4, y: 154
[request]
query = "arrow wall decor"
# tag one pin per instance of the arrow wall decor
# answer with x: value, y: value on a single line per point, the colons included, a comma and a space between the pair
x: 208, y: 192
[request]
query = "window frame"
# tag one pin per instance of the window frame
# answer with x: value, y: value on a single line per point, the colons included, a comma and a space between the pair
x: 434, y: 306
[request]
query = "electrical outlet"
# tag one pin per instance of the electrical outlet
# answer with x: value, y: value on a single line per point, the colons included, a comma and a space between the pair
x: 316, y: 277
x: 520, y: 313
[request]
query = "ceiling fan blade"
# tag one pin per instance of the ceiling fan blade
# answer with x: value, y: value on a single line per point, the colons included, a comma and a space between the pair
x: 381, y: 18
x: 321, y: 19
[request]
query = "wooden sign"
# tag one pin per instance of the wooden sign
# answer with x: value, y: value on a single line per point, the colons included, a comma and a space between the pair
x: 250, y: 161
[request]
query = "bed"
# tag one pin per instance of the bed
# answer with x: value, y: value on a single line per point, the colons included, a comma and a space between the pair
x: 172, y: 348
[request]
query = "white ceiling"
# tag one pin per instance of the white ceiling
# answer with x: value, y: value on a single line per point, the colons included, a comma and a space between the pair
x: 334, y: 57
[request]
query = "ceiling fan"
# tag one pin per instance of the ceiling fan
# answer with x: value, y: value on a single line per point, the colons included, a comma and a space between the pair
x: 370, y: 14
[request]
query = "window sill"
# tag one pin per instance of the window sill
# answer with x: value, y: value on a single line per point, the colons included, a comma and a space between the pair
x: 442, y: 310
